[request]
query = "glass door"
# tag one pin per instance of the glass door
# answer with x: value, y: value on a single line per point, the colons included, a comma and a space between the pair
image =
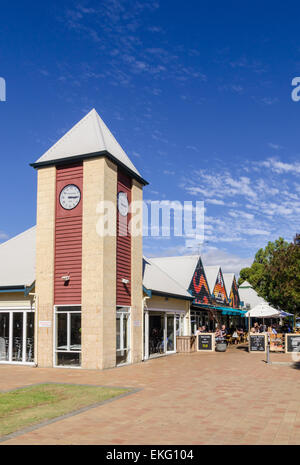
x: 170, y: 333
x: 17, y: 336
x: 122, y: 336
x: 4, y: 337
x: 156, y: 334
x: 68, y: 336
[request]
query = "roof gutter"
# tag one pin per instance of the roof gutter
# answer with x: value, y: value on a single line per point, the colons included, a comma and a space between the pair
x: 149, y: 293
x: 14, y: 289
x: 176, y: 296
x: 76, y: 158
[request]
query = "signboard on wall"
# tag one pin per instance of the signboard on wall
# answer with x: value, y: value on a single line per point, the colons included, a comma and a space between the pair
x: 45, y: 324
x: 257, y: 343
x: 206, y: 342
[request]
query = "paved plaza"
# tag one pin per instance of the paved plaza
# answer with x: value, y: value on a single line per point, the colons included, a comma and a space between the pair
x: 217, y: 398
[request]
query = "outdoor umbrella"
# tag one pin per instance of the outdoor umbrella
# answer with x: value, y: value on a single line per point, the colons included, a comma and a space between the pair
x: 284, y: 314
x: 263, y: 310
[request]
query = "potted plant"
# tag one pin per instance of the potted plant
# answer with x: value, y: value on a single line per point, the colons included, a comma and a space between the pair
x: 221, y: 345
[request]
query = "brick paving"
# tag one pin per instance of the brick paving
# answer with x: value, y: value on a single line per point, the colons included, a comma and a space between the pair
x: 217, y: 398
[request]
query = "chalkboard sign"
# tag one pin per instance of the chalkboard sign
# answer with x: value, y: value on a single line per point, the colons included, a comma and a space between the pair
x: 293, y: 343
x: 257, y: 343
x: 205, y: 342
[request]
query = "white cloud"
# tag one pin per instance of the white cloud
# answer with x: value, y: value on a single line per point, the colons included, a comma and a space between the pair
x: 3, y: 236
x: 274, y: 146
x: 230, y: 263
x: 215, y: 201
x: 241, y: 214
x: 256, y: 232
x: 281, y: 167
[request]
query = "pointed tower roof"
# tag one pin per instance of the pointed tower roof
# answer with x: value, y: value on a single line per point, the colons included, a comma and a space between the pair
x: 181, y: 268
x: 228, y: 281
x: 90, y: 137
x: 211, y: 273
x: 245, y: 284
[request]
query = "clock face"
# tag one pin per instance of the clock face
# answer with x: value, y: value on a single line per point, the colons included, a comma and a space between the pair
x: 70, y: 197
x: 123, y: 206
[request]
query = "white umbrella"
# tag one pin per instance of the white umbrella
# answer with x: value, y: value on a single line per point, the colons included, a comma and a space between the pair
x: 263, y: 310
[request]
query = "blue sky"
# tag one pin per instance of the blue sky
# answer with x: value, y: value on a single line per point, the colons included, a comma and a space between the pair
x: 198, y: 94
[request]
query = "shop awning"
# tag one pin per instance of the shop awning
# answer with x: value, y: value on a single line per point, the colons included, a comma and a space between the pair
x: 224, y: 310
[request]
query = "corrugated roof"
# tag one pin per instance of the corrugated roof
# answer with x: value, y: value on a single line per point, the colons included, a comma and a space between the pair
x: 211, y: 273
x: 89, y: 135
x: 180, y: 268
x: 249, y: 296
x: 245, y: 284
x: 156, y: 279
x: 17, y: 259
x: 228, y: 281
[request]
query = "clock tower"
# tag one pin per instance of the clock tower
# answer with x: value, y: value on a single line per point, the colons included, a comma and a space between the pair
x: 88, y: 282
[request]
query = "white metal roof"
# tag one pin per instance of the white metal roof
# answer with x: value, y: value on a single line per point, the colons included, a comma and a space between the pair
x: 89, y: 135
x: 17, y: 260
x: 211, y: 273
x: 245, y: 284
x: 180, y: 268
x: 249, y: 296
x: 263, y: 310
x: 228, y: 281
x: 155, y: 279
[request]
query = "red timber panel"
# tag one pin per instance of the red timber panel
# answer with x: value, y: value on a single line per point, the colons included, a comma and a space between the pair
x: 68, y: 239
x: 123, y: 246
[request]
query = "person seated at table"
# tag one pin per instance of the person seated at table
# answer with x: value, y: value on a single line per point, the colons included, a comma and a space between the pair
x: 203, y: 329
x: 274, y: 330
x: 262, y: 328
x: 235, y: 336
x: 218, y: 335
x: 256, y: 327
x: 240, y: 331
x: 224, y: 331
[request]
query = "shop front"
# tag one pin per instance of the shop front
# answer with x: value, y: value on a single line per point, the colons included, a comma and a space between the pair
x: 213, y: 316
x: 161, y: 330
x: 123, y: 320
x: 17, y: 336
x: 67, y: 330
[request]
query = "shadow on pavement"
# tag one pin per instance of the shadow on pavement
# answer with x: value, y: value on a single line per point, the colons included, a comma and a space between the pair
x: 243, y: 347
x: 296, y: 366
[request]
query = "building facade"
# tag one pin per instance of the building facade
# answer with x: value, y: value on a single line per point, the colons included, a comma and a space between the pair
x: 75, y: 290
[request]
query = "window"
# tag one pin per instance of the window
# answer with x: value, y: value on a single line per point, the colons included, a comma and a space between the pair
x: 68, y: 336
x: 17, y: 336
x: 179, y: 325
x: 122, y: 335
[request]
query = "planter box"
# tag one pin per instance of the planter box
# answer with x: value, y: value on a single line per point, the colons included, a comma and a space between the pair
x: 186, y: 344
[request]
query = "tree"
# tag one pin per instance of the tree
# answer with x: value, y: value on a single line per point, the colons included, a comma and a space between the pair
x: 275, y: 274
x: 256, y: 273
x: 282, y: 276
